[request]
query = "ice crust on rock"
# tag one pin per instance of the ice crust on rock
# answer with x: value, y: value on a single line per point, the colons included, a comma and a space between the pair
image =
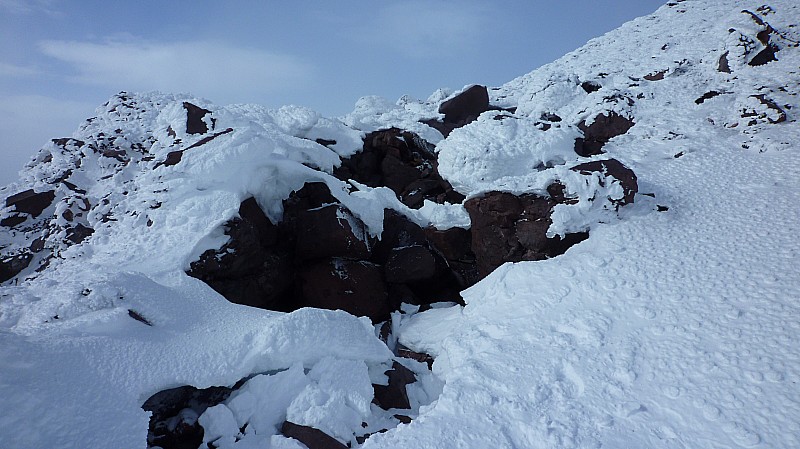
x: 663, y: 329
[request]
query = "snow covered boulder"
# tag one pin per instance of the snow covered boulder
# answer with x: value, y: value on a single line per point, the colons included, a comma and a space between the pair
x: 603, y: 128
x: 511, y: 228
x: 617, y: 171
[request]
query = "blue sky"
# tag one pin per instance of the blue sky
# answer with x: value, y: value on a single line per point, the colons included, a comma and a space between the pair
x: 60, y: 59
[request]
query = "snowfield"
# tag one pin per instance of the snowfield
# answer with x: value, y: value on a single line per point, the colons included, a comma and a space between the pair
x: 676, y: 324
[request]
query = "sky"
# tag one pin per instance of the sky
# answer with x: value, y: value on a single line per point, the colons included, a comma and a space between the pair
x: 59, y: 60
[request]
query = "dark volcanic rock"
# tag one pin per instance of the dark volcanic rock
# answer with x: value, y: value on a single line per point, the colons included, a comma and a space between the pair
x: 410, y: 264
x: 252, y: 268
x: 311, y: 437
x: 513, y: 228
x: 357, y: 287
x: 11, y: 266
x: 590, y: 86
x: 617, y: 170
x: 31, y: 202
x: 466, y: 106
x: 173, y: 423
x: 603, y: 128
x: 194, y: 118
x: 394, y: 395
x: 402, y: 161
x: 330, y: 231
x: 452, y: 244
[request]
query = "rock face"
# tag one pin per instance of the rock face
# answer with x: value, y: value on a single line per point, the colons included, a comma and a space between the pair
x: 513, y: 228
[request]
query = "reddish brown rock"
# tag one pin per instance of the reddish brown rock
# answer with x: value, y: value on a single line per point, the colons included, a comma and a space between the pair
x: 410, y: 264
x: 194, y: 118
x: 617, y: 170
x: 31, y: 202
x: 357, y: 287
x: 603, y: 128
x: 311, y: 437
x: 330, y: 231
x: 466, y: 106
x: 394, y: 395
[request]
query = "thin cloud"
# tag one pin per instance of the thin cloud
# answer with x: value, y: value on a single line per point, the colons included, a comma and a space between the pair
x: 29, y: 6
x: 422, y: 29
x: 208, y: 69
x: 17, y: 71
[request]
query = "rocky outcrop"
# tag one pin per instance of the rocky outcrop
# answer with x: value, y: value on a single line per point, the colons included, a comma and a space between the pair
x: 463, y: 109
x: 321, y: 255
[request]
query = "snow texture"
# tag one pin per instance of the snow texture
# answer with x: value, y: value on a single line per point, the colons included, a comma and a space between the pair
x: 673, y: 329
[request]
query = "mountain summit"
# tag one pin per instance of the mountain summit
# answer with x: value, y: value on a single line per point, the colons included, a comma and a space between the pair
x: 600, y: 253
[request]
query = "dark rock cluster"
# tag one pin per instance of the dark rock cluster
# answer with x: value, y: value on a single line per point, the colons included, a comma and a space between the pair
x: 321, y: 255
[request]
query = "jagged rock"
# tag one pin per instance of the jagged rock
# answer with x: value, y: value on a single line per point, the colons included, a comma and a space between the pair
x: 398, y: 231
x: 405, y: 352
x: 79, y: 233
x: 707, y: 96
x: 173, y: 423
x: 31, y: 202
x: 357, y: 287
x: 251, y: 268
x: 410, y: 264
x: 590, y: 86
x: 452, y: 244
x: 466, y: 106
x: 615, y: 169
x: 194, y: 118
x: 722, y: 65
x: 513, y: 228
x: 311, y: 437
x: 11, y: 266
x: 402, y: 161
x: 330, y: 231
x: 394, y: 395
x: 604, y: 127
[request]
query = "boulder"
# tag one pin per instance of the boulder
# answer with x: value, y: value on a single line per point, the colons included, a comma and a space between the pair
x: 452, y: 244
x: 173, y: 422
x: 402, y: 161
x: 357, y: 287
x: 410, y: 264
x: 617, y: 170
x: 311, y: 437
x: 604, y: 127
x: 254, y: 267
x: 330, y: 231
x: 394, y: 395
x: 194, y: 118
x: 11, y: 266
x: 31, y: 202
x: 466, y: 106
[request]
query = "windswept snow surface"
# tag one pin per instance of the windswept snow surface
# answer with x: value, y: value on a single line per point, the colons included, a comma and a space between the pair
x: 673, y: 329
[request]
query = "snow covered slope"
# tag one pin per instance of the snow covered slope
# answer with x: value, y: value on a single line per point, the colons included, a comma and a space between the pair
x: 676, y: 324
